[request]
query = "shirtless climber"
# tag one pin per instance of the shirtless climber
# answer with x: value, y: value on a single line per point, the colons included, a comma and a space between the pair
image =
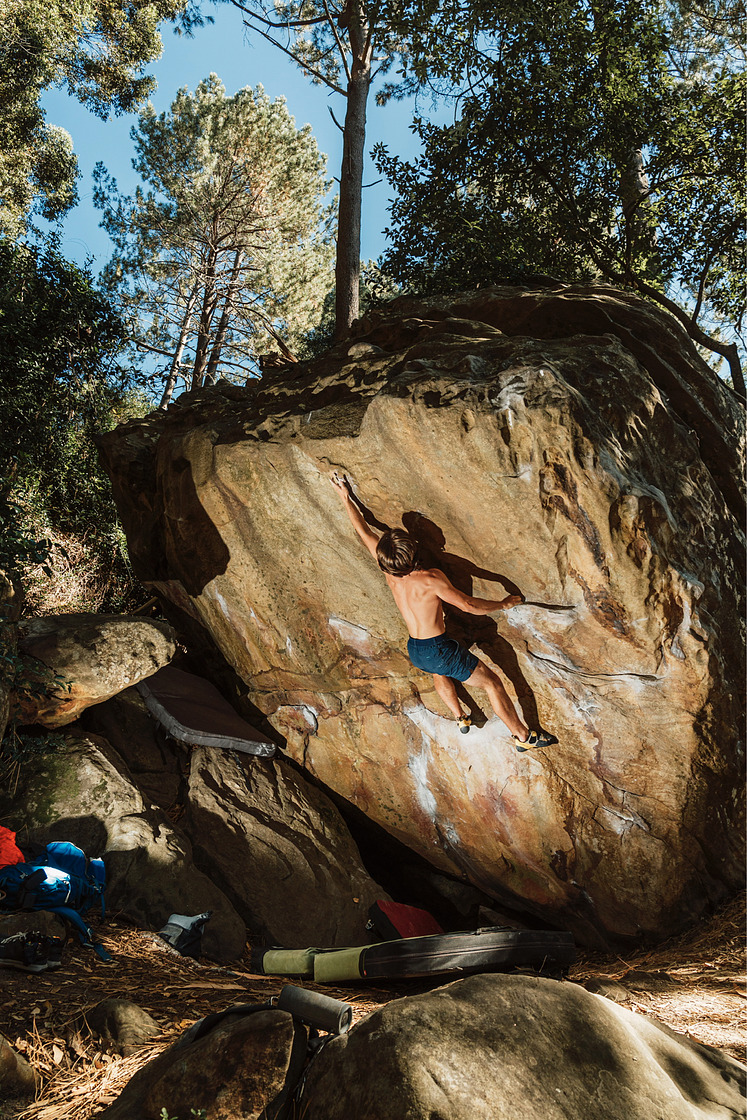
x: 420, y: 594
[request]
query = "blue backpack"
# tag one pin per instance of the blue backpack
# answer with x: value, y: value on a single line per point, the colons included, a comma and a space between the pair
x: 62, y: 880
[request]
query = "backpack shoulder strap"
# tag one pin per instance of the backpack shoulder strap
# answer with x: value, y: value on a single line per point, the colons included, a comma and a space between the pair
x: 28, y: 887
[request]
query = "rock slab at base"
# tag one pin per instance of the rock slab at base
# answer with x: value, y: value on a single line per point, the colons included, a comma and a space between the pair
x: 84, y: 793
x: 496, y: 1047
x: 279, y: 849
x: 82, y: 659
x: 268, y: 838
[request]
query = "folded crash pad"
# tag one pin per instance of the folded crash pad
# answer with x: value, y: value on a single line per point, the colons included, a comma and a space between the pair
x: 191, y: 709
x: 484, y: 950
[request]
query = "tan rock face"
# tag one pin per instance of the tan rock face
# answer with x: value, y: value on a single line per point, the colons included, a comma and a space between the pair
x: 567, y: 443
x: 76, y: 660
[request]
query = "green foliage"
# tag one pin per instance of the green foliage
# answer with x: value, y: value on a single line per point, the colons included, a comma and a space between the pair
x: 98, y: 49
x: 59, y: 344
x: 226, y: 255
x: 589, y: 146
x: 376, y: 288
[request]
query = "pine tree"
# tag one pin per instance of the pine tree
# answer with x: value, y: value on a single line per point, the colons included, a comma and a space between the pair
x: 225, y: 254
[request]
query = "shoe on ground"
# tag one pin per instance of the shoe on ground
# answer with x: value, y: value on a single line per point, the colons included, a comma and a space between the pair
x: 464, y: 724
x: 24, y: 951
x: 535, y: 741
x: 52, y: 948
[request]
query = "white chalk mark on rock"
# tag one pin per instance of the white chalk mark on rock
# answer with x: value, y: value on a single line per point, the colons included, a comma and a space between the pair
x: 418, y: 767
x: 310, y: 716
x: 353, y: 635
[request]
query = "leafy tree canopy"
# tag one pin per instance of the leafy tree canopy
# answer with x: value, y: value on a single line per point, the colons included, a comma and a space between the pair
x: 591, y: 142
x: 62, y: 382
x: 99, y: 50
x: 226, y: 255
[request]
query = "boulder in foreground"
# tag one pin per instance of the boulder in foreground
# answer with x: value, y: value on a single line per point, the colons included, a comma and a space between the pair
x: 492, y: 1047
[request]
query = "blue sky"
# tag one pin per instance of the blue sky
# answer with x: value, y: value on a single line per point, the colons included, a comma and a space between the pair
x: 238, y: 60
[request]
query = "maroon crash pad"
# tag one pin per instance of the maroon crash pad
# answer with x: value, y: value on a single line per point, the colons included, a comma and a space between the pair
x: 191, y: 709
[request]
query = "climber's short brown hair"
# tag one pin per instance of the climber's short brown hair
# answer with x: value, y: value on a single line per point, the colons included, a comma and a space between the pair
x: 397, y: 552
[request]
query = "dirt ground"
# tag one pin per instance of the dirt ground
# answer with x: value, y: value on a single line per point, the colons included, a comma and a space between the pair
x: 694, y: 983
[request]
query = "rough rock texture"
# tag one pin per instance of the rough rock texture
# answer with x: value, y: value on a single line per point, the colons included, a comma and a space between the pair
x: 17, y: 1077
x: 568, y: 442
x: 157, y: 763
x: 501, y: 1047
x: 232, y: 1073
x: 86, y: 658
x: 120, y: 1023
x: 279, y: 849
x: 272, y: 841
x: 84, y: 793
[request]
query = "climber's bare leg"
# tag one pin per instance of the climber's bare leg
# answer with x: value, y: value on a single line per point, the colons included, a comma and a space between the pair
x: 499, y: 699
x: 446, y: 689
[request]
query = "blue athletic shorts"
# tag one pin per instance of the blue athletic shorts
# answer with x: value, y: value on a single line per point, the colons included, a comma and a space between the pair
x: 442, y: 655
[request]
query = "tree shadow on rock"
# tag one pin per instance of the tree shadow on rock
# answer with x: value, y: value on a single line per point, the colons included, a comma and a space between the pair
x: 89, y: 833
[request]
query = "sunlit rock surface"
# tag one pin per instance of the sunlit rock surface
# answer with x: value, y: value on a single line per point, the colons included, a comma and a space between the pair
x: 72, y: 661
x: 568, y: 443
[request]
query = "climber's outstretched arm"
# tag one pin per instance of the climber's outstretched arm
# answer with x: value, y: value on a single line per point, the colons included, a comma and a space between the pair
x: 342, y: 485
x: 470, y: 604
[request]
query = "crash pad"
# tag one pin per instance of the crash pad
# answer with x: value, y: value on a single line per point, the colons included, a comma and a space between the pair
x: 484, y: 950
x: 191, y: 709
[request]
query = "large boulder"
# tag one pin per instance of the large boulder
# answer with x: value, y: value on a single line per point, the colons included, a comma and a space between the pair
x: 279, y: 849
x: 567, y: 442
x: 493, y: 1046
x: 76, y: 660
x: 83, y: 793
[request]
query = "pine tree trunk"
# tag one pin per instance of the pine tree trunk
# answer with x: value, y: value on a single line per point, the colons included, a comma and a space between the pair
x: 209, y: 302
x: 177, y: 359
x: 348, y: 262
x: 641, y: 252
x: 220, y: 334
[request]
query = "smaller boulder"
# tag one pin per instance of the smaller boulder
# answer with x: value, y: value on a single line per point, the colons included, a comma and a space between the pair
x: 233, y: 1072
x: 17, y: 1077
x: 494, y: 1046
x: 76, y: 660
x: 84, y: 793
x: 280, y: 850
x: 121, y: 1024
x: 156, y: 762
